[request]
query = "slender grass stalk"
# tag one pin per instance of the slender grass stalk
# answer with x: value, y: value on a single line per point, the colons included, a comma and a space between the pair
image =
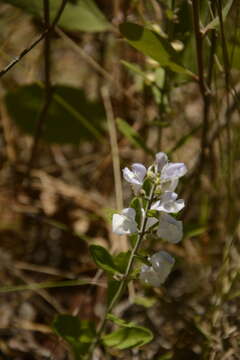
x: 115, y: 157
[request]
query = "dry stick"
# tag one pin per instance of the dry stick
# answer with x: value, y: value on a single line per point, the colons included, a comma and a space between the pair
x: 213, y: 43
x: 235, y: 26
x: 115, y: 155
x: 48, y: 88
x: 116, y: 171
x: 202, y: 85
x: 227, y: 85
x: 37, y: 41
x: 196, y: 175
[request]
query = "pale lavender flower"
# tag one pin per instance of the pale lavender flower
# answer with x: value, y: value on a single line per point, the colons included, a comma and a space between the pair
x: 172, y: 171
x: 168, y: 203
x: 135, y: 176
x: 161, y: 159
x: 169, y: 228
x: 156, y: 275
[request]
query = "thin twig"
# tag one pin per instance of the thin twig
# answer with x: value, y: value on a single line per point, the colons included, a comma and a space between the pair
x: 48, y: 88
x: 35, y: 42
x: 202, y: 85
x: 226, y: 64
x: 114, y: 147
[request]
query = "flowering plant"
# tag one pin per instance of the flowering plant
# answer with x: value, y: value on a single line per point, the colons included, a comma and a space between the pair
x: 148, y: 214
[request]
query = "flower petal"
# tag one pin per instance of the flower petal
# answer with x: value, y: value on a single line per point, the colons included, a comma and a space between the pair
x: 162, y: 263
x: 149, y: 276
x: 161, y: 159
x: 139, y: 171
x: 168, y: 203
x: 136, y: 176
x: 170, y: 229
x: 124, y: 223
x: 169, y: 185
x: 150, y: 221
x: 130, y: 176
x: 129, y: 212
x: 172, y: 171
x: 156, y: 275
x: 117, y: 224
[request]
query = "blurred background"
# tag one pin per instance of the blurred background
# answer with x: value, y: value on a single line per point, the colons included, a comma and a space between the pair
x: 95, y: 94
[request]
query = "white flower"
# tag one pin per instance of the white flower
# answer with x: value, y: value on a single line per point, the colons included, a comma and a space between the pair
x: 168, y: 203
x: 170, y: 229
x: 124, y: 223
x: 135, y: 176
x: 161, y: 159
x: 162, y: 262
x: 149, y: 276
x: 156, y: 275
x: 172, y: 171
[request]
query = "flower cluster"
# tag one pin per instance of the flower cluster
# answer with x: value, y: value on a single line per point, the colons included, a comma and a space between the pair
x: 163, y: 176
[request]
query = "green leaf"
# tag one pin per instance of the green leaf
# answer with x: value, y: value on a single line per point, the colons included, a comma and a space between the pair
x: 147, y: 302
x: 132, y: 135
x: 128, y: 336
x: 215, y: 22
x: 116, y: 320
x: 103, y: 259
x: 151, y: 44
x: 135, y: 69
x: 78, y: 15
x: 194, y: 230
x: 79, y: 334
x: 147, y: 185
x: 135, y: 204
x: 166, y: 356
x: 133, y: 239
x: 113, y: 286
x: 71, y: 117
x: 121, y: 261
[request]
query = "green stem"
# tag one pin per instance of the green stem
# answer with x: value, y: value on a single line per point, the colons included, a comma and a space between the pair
x: 130, y: 264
